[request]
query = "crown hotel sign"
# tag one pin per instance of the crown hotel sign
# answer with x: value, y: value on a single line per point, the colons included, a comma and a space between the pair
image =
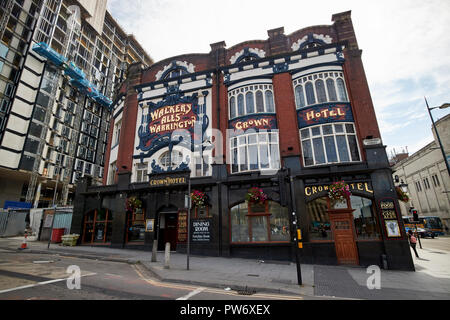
x: 168, y: 180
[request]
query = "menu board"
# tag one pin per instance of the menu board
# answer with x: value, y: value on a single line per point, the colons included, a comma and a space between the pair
x: 182, y: 226
x: 201, y: 230
x: 389, y: 214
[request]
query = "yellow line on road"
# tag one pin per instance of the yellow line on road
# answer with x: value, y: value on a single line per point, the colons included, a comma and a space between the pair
x: 211, y: 290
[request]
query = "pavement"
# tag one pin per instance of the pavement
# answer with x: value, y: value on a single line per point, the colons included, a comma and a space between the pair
x: 431, y: 281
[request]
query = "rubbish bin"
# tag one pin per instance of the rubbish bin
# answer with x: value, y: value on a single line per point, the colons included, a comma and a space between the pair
x: 57, y: 235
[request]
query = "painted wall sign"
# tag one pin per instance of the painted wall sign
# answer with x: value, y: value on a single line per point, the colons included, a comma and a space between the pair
x: 364, y: 187
x: 182, y: 226
x: 175, y: 112
x: 320, y: 115
x: 167, y: 182
x: 201, y: 230
x: 257, y: 122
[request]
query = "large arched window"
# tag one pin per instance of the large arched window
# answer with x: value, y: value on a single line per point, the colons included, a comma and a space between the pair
x: 328, y: 87
x: 251, y: 99
x: 262, y: 223
x: 173, y: 160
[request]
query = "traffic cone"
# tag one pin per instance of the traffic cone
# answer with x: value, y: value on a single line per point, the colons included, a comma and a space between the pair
x: 24, y: 242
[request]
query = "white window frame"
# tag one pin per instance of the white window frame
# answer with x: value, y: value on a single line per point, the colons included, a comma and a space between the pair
x: 236, y: 145
x: 334, y: 134
x: 254, y: 88
x: 313, y: 78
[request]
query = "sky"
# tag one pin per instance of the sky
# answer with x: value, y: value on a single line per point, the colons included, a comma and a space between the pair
x: 405, y: 43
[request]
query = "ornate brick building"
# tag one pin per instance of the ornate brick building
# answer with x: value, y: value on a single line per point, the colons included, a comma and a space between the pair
x: 290, y: 116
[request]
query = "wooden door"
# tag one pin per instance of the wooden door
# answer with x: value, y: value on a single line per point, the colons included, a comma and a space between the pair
x: 171, y: 230
x: 344, y: 238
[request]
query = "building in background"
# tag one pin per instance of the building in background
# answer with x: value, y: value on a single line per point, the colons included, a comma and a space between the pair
x: 427, y: 177
x: 289, y: 115
x: 51, y: 129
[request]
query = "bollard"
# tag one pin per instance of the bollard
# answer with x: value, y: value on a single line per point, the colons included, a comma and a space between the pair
x: 154, y: 250
x: 167, y: 256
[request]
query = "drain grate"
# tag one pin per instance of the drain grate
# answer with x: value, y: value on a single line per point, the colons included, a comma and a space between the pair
x: 246, y: 292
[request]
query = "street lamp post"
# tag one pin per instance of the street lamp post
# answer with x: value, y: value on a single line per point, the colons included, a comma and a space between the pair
x: 296, y: 227
x: 444, y: 106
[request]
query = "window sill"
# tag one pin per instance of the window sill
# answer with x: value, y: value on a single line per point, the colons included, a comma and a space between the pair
x: 321, y: 105
x: 337, y: 164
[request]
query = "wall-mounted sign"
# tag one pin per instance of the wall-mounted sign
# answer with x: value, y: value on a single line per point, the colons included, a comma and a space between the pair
x: 361, y: 187
x: 167, y: 181
x: 201, y: 230
x: 320, y: 115
x: 175, y: 112
x: 389, y: 214
x: 257, y: 122
x: 149, y: 225
x: 182, y: 226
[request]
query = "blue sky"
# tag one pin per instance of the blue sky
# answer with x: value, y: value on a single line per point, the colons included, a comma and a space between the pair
x: 405, y: 43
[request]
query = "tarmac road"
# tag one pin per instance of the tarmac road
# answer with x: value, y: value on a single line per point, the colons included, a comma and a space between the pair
x: 25, y: 276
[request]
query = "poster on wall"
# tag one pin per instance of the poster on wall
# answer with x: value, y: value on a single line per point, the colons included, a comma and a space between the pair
x: 393, y: 230
x: 149, y: 225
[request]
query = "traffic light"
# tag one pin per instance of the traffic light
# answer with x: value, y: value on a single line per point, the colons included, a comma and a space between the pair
x: 415, y: 215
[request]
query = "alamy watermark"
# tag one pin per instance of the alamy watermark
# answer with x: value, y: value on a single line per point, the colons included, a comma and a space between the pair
x: 74, y: 281
x: 374, y: 281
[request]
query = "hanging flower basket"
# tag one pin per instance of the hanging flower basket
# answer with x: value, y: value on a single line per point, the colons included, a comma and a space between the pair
x: 199, y: 199
x: 402, y: 196
x: 339, y: 193
x: 256, y: 196
x: 134, y: 204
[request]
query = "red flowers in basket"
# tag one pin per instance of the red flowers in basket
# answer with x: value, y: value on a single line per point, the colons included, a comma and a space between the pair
x: 256, y: 195
x: 339, y: 191
x: 199, y: 198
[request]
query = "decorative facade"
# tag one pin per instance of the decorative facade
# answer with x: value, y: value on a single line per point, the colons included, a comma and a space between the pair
x: 260, y: 133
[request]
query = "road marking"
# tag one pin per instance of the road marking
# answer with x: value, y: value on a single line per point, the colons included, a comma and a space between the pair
x: 41, y: 284
x: 191, y: 294
x: 210, y: 290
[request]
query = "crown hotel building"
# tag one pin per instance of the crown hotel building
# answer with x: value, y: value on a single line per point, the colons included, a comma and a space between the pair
x: 60, y: 62
x: 290, y: 115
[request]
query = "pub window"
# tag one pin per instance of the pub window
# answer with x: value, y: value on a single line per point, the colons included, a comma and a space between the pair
x: 260, y: 223
x: 97, y: 226
x: 364, y: 218
x: 141, y: 172
x: 299, y: 97
x: 255, y: 151
x: 320, y: 227
x: 173, y: 160
x: 136, y: 226
x: 321, y: 94
x: 330, y: 143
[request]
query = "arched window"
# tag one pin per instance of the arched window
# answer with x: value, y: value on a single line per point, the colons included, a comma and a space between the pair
x: 341, y: 90
x: 250, y: 103
x: 175, y: 73
x: 259, y: 101
x: 331, y: 90
x: 232, y: 107
x: 310, y: 96
x: 240, y: 101
x: 260, y: 223
x: 299, y: 97
x: 171, y: 161
x: 269, y: 101
x: 321, y: 94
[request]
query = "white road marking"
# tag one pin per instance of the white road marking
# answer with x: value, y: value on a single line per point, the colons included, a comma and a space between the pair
x: 191, y: 294
x: 41, y: 284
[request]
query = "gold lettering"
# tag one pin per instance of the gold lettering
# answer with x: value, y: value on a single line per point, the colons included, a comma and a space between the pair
x: 308, y: 191
x: 314, y: 190
x: 310, y: 115
x: 360, y: 186
x: 340, y: 112
x: 367, y: 188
